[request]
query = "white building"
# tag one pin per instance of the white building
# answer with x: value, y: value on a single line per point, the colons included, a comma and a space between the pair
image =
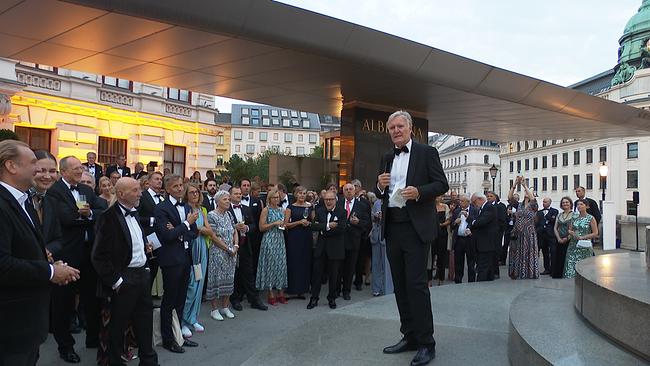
x: 467, y: 164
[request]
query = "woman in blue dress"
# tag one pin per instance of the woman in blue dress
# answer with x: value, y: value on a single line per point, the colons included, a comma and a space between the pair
x: 272, y: 264
x: 583, y: 227
x: 299, y: 243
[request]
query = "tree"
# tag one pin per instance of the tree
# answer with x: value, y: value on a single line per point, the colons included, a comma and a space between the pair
x: 239, y: 168
x: 317, y: 153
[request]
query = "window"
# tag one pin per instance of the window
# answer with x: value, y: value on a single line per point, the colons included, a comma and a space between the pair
x: 527, y: 164
x: 275, y: 136
x: 512, y: 167
x: 603, y: 154
x: 294, y: 114
x: 275, y: 148
x: 264, y: 136
x: 313, y: 138
x: 300, y: 137
x: 544, y: 184
x: 40, y: 66
x: 535, y: 163
x: 284, y: 114
x: 543, y: 143
x: 287, y: 150
x: 303, y: 114
x: 255, y: 112
x: 486, y: 175
x: 518, y: 166
x: 244, y: 111
x: 117, y: 83
x: 535, y: 184
x: 262, y: 149
x: 219, y: 161
x: 237, y: 135
x: 300, y: 150
x: 250, y: 149
x: 305, y: 123
x: 632, y: 150
x: 554, y: 161
x: 576, y: 181
x: 36, y: 138
x: 465, y: 159
x: 266, y: 121
x: 275, y: 113
x: 565, y: 159
x: 245, y: 121
x: 632, y: 179
x: 518, y: 146
x: 276, y: 122
x: 565, y: 182
x: 220, y: 139
x: 256, y: 121
x: 265, y: 112
x: 526, y: 145
x: 237, y: 148
x: 511, y: 182
x: 576, y: 158
x: 175, y: 159
x: 554, y: 183
x: 590, y: 156
x: 631, y: 208
x: 109, y: 148
x: 544, y: 162
x: 285, y: 122
x: 251, y: 135
x: 295, y: 123
x: 590, y: 181
x: 179, y: 94
x: 535, y: 144
x: 465, y: 177
x: 486, y: 159
x: 288, y: 137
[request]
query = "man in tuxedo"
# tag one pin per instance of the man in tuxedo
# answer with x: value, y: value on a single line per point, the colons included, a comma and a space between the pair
x: 412, y: 171
x: 363, y: 259
x: 511, y: 209
x: 120, y: 260
x: 147, y: 204
x: 77, y: 227
x: 545, y: 227
x: 119, y: 167
x: 256, y: 206
x: 356, y: 223
x: 93, y: 168
x: 244, y: 277
x: 463, y: 243
x: 26, y: 274
x: 284, y: 196
x: 330, y: 248
x: 174, y: 256
x: 484, y: 229
x: 593, y: 208
x: 502, y: 216
x: 139, y: 171
x: 208, y: 198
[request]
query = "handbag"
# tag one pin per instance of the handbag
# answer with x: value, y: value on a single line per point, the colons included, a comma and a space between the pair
x: 198, y: 273
x: 584, y: 243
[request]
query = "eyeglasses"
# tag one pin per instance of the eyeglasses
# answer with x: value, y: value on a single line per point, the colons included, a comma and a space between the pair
x: 193, y: 193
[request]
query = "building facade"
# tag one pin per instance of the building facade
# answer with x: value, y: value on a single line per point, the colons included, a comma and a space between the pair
x: 258, y: 128
x: 72, y: 113
x: 467, y: 164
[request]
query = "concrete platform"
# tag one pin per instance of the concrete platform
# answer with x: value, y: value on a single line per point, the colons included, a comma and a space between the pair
x: 613, y: 295
x: 545, y: 329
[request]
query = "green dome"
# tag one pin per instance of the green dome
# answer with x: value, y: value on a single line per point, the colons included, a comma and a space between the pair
x: 640, y: 21
x: 634, y: 50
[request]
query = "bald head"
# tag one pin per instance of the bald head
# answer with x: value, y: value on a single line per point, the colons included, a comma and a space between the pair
x: 546, y: 202
x: 128, y: 192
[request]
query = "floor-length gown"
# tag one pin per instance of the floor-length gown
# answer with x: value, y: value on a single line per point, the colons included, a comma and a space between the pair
x: 524, y: 259
x: 299, y: 252
x: 195, y: 288
x: 272, y: 265
x: 574, y: 254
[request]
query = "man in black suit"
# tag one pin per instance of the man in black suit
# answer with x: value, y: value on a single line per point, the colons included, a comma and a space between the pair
x: 356, y: 222
x: 256, y: 206
x: 412, y: 171
x: 502, y: 216
x: 26, y: 274
x: 511, y: 209
x: 484, y: 229
x: 593, y: 208
x: 120, y: 260
x: 93, y: 168
x: 244, y: 277
x: 119, y: 167
x: 284, y: 196
x: 148, y: 202
x: 139, y: 171
x: 175, y: 225
x: 330, y: 248
x: 545, y: 227
x: 77, y: 226
x: 463, y: 243
x: 208, y: 198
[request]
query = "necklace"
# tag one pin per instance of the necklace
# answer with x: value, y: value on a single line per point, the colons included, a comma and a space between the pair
x: 565, y: 216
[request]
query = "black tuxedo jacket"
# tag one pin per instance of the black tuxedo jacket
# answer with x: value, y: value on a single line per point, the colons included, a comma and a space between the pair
x: 51, y: 227
x: 126, y: 171
x: 206, y: 203
x: 99, y: 172
x: 252, y: 227
x: 353, y: 233
x: 74, y: 251
x: 472, y: 214
x: 173, y: 250
x: 545, y: 225
x: 502, y: 215
x: 113, y: 248
x: 24, y: 278
x: 484, y: 228
x: 146, y: 212
x: 139, y: 174
x: 593, y: 209
x: 256, y: 206
x: 330, y: 242
x: 426, y: 174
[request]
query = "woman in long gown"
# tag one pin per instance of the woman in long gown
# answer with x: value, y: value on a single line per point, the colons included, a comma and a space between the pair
x: 272, y: 264
x: 561, y: 229
x: 524, y: 258
x: 583, y: 227
x: 299, y: 243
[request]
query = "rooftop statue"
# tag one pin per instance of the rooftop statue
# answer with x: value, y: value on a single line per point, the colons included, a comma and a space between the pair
x: 623, y: 74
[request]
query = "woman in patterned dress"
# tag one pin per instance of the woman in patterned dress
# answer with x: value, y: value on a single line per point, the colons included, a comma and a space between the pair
x: 562, y: 236
x: 583, y: 227
x: 272, y: 264
x: 223, y: 257
x: 524, y: 259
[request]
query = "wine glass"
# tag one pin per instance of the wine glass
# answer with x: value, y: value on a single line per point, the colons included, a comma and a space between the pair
x: 243, y: 233
x: 305, y: 213
x: 81, y: 203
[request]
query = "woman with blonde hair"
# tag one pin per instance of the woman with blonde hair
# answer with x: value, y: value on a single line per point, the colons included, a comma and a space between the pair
x: 106, y: 190
x: 272, y: 263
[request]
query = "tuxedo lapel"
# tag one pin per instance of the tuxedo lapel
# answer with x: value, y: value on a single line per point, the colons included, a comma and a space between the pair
x: 410, y: 174
x: 67, y: 193
x: 123, y: 225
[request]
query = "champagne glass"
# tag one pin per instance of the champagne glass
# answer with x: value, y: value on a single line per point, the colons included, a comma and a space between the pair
x: 243, y: 233
x: 305, y: 213
x: 81, y: 203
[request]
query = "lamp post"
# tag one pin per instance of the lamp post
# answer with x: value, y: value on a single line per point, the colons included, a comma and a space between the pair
x: 493, y: 175
x: 603, y: 170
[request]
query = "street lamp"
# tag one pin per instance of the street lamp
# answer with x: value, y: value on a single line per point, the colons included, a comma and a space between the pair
x: 493, y: 175
x: 603, y: 170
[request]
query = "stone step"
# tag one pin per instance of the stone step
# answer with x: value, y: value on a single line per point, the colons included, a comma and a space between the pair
x: 545, y: 329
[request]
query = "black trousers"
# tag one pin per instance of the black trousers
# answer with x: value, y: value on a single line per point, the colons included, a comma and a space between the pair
x: 132, y: 303
x: 407, y: 255
x: 364, y: 254
x: 546, y: 244
x: 506, y: 242
x: 244, y: 276
x: 152, y: 263
x: 439, y: 249
x: 484, y: 267
x: 464, y: 248
x: 26, y: 357
x: 557, y: 265
x: 175, y: 281
x: 349, y: 268
x: 333, y: 266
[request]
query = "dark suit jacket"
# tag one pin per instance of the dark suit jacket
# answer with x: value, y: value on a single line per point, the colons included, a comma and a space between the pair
x: 173, y: 250
x: 206, y: 203
x: 330, y: 242
x: 544, y: 225
x: 139, y: 174
x: 113, y: 248
x: 74, y: 250
x: 472, y: 213
x: 247, y: 214
x: 99, y: 172
x: 353, y: 233
x: 256, y: 206
x: 146, y: 212
x: 426, y: 174
x: 593, y: 209
x: 126, y: 171
x: 484, y: 228
x: 24, y: 278
x: 502, y: 215
x: 51, y: 227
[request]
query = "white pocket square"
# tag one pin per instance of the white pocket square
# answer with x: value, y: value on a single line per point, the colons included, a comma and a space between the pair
x: 254, y: 204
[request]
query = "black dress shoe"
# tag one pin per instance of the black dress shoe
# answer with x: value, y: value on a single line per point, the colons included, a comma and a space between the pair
x: 70, y: 356
x: 259, y: 306
x: 237, y: 306
x: 545, y: 273
x: 346, y: 297
x: 312, y: 303
x: 359, y: 287
x: 332, y: 304
x: 173, y: 347
x: 402, y: 346
x: 188, y: 343
x: 424, y: 356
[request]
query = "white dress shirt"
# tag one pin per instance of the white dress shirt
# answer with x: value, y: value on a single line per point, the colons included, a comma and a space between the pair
x: 399, y: 170
x: 246, y: 202
x: 351, y: 204
x: 91, y: 169
x: 181, y: 214
x: 153, y: 195
x: 138, y: 258
x: 75, y: 192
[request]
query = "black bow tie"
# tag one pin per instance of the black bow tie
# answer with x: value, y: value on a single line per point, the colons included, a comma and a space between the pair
x: 236, y: 206
x: 179, y: 203
x: 91, y: 166
x: 245, y: 198
x: 401, y: 150
x: 74, y: 188
x: 158, y: 196
x: 284, y: 201
x: 130, y: 213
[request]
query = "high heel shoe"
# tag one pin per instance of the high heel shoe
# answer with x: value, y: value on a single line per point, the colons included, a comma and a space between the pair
x: 271, y: 300
x: 282, y: 300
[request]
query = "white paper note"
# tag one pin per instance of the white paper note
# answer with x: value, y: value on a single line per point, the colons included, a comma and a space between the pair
x: 153, y: 239
x: 396, y: 199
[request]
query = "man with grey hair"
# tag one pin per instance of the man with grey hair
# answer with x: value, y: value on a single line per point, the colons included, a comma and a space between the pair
x: 484, y: 230
x: 88, y: 179
x: 463, y: 243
